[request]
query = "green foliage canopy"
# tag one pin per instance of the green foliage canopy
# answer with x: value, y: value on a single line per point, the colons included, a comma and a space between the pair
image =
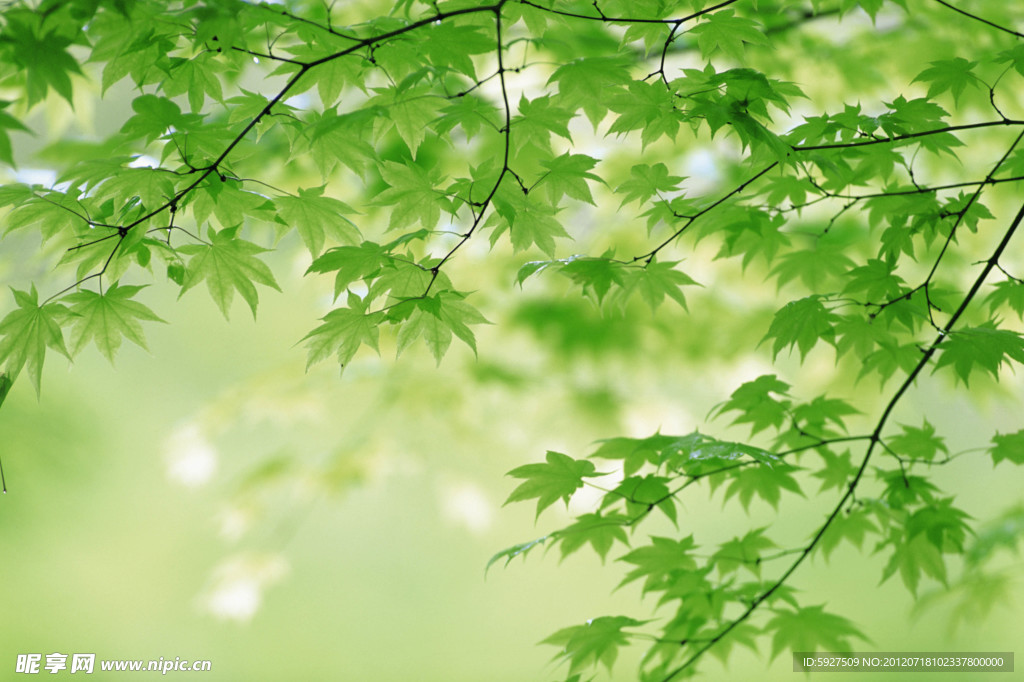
x: 886, y: 219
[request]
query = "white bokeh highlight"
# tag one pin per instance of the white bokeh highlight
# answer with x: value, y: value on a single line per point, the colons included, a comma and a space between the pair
x: 237, y: 586
x: 465, y: 504
x: 190, y: 459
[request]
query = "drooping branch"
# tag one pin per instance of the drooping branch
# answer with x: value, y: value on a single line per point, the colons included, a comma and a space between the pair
x: 875, y: 440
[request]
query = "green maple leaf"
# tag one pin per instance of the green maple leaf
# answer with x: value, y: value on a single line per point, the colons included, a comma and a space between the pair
x: 904, y: 490
x: 410, y: 108
x: 718, y: 112
x: 436, y: 319
x: 918, y: 443
x: 469, y: 112
x: 343, y: 331
x: 229, y: 203
x: 652, y: 34
x: 911, y: 116
x: 727, y: 32
x: 596, y: 276
x: 984, y: 347
x: 334, y: 75
x: 538, y: 119
x: 1014, y: 57
x: 755, y: 402
x: 1008, y: 446
x: 50, y: 212
x: 647, y: 107
x: 107, y: 318
x: 403, y: 278
x: 943, y: 524
x: 43, y: 55
x: 647, y: 181
x: 510, y: 553
x: 1009, y: 293
x: 411, y: 195
x: 131, y: 48
x: 657, y: 280
x: 154, y: 116
x: 197, y: 77
x: 876, y: 279
x: 567, y: 175
x: 635, y: 452
x: 814, y: 266
x: 971, y: 210
x: 751, y: 234
x: 743, y: 552
x: 766, y: 482
x: 227, y: 264
x: 912, y: 558
x: 557, y: 479
x: 580, y: 79
x: 802, y: 323
x: 458, y: 315
x: 449, y: 45
x: 352, y: 263
x: 890, y: 358
x: 151, y: 186
x: 315, y: 216
x: 816, y: 415
x: 836, y: 471
x: 26, y: 333
x: 1005, y: 531
x: 949, y: 74
x: 331, y: 76
x: 533, y: 267
x: 599, y: 531
x: 853, y: 527
x: 660, y: 560
x: 787, y: 187
x: 641, y: 493
x: 870, y: 6
x: 343, y: 138
x: 697, y: 454
x: 811, y: 628
x: 422, y: 318
x: 8, y: 122
x: 860, y: 334
x: 703, y: 601
x: 528, y: 221
x: 751, y: 88
x: 597, y: 641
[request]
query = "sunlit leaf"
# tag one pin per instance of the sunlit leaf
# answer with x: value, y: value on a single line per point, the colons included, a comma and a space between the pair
x: 227, y: 264
x: 557, y: 479
x: 811, y: 628
x: 107, y: 317
x: 26, y: 333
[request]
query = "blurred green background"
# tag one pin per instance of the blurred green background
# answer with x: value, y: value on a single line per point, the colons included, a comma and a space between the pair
x: 213, y: 499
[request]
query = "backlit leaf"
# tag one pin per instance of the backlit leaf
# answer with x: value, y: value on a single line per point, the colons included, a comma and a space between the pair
x: 107, y: 317
x: 1008, y: 446
x: 557, y: 479
x: 227, y: 264
x: 802, y: 323
x: 986, y: 348
x: 26, y: 333
x: 811, y: 628
x: 315, y: 217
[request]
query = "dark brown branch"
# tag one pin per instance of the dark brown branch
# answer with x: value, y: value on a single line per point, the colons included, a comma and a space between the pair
x: 875, y: 440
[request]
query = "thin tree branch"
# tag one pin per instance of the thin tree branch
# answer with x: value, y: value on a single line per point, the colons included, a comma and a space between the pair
x: 975, y: 17
x: 875, y: 440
